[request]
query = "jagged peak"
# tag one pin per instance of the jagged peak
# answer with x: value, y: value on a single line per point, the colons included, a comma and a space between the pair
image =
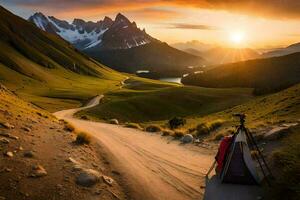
x: 121, y: 17
x: 107, y: 19
x: 77, y: 21
x: 38, y: 15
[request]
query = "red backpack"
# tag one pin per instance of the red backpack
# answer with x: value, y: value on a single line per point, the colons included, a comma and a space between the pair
x: 222, y: 152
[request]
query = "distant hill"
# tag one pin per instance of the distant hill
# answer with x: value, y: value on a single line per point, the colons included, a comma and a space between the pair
x: 155, y: 57
x: 221, y: 55
x: 265, y: 75
x: 35, y: 63
x: 119, y: 44
x: 284, y: 51
x: 194, y: 44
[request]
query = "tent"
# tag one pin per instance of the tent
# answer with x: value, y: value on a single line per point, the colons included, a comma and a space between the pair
x: 238, y: 166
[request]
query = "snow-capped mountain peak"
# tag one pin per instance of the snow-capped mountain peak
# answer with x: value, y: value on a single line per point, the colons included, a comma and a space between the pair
x: 104, y: 34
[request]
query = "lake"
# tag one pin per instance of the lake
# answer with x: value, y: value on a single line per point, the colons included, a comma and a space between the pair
x: 172, y: 79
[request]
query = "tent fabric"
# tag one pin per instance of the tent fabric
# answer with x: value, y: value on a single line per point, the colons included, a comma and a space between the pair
x: 239, y: 166
x: 222, y: 152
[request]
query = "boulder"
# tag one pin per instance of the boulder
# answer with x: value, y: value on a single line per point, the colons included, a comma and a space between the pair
x: 38, y: 171
x: 114, y: 121
x: 188, y: 138
x: 88, y: 178
x: 9, y: 154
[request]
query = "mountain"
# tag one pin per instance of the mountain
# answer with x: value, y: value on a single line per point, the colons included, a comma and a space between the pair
x: 158, y: 58
x: 118, y: 43
x: 194, y: 44
x: 265, y: 75
x: 105, y: 34
x: 284, y: 51
x: 38, y: 65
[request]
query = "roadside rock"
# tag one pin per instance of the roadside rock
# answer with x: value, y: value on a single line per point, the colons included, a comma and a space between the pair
x: 6, y: 125
x: 26, y: 129
x: 114, y: 121
x: 9, y: 154
x: 108, y: 180
x: 38, y: 171
x: 88, y: 178
x: 188, y: 138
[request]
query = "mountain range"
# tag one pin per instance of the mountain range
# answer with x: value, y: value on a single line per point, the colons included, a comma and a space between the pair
x: 283, y: 51
x: 118, y: 43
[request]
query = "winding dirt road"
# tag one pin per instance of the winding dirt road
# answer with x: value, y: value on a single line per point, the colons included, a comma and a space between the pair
x: 151, y: 166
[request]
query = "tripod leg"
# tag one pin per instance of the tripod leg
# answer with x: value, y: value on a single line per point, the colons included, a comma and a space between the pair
x: 253, y: 143
x: 264, y: 161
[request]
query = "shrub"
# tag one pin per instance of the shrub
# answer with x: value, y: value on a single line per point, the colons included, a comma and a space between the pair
x: 202, y: 129
x: 82, y: 138
x: 178, y: 134
x: 176, y: 122
x: 153, y: 128
x: 133, y: 125
x: 69, y: 127
x: 167, y: 133
x: 84, y: 117
x: 215, y: 125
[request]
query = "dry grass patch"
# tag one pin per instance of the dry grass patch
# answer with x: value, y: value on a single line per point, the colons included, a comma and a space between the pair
x: 153, y: 128
x: 83, y: 138
x: 69, y: 127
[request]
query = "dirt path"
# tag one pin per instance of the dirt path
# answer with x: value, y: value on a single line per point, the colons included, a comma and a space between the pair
x: 151, y: 167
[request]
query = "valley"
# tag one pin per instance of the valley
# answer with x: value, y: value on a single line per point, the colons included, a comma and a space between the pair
x: 88, y: 109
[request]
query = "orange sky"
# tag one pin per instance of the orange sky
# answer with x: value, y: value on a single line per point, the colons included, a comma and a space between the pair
x: 268, y: 23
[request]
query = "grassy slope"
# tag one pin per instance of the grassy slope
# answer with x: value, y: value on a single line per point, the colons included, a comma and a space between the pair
x: 266, y: 75
x: 143, y: 101
x: 271, y: 109
x: 46, y: 70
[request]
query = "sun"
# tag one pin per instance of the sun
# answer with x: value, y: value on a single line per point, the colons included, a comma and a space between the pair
x: 237, y: 37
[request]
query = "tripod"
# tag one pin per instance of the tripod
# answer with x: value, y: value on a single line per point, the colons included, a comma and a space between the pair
x: 259, y: 156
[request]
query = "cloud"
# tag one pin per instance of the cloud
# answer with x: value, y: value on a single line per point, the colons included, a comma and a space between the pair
x: 281, y: 9
x: 191, y: 26
x: 154, y: 14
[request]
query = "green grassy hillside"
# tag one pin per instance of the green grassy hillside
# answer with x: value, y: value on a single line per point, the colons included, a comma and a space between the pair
x: 265, y: 75
x: 144, y: 102
x: 45, y: 69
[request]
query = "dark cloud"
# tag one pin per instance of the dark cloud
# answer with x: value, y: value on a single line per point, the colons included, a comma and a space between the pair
x: 191, y: 26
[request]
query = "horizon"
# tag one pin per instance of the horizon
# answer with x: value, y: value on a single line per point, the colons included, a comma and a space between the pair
x: 177, y: 23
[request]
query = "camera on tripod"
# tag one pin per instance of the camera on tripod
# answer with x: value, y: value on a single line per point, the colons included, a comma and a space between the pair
x: 241, y: 116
